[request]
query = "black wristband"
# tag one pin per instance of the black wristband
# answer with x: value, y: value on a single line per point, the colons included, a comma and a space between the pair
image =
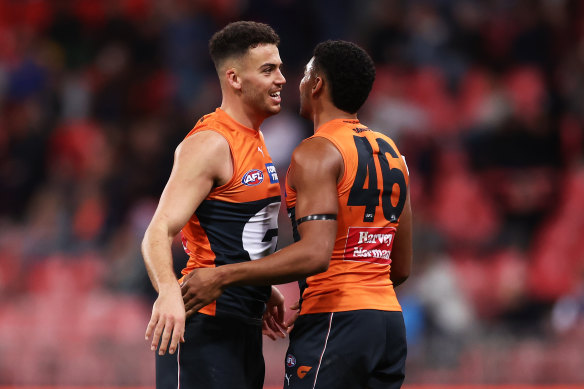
x: 321, y: 216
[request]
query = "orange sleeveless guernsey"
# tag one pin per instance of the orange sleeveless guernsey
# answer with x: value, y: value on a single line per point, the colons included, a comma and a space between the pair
x: 237, y: 221
x: 371, y: 197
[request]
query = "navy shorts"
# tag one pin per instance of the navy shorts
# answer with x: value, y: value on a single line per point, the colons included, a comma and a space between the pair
x: 218, y: 353
x: 354, y: 349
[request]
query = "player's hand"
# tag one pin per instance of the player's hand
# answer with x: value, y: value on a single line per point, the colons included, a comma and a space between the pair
x: 167, y: 323
x: 200, y: 288
x: 273, y: 321
x: 289, y: 324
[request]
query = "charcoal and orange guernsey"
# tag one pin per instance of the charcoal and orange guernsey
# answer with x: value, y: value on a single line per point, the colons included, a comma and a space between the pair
x: 237, y: 221
x: 358, y: 274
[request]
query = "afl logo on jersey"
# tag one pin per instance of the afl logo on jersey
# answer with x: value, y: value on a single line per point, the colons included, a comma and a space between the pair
x: 253, y: 177
x: 290, y: 360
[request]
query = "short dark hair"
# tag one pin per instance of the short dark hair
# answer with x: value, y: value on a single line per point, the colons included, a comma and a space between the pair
x: 349, y: 70
x: 237, y: 37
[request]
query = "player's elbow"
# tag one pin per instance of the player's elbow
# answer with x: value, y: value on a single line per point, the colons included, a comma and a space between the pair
x: 153, y: 236
x: 401, y: 262
x: 151, y: 233
x: 318, y: 260
x: 316, y: 266
x: 145, y: 240
x: 321, y: 264
x: 398, y: 279
x: 316, y: 246
x: 399, y: 274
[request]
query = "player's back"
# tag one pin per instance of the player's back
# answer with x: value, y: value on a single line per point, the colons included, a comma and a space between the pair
x: 371, y: 195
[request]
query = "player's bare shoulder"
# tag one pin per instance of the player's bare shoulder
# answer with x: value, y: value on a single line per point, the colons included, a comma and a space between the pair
x: 317, y: 152
x: 208, y: 150
x: 316, y: 158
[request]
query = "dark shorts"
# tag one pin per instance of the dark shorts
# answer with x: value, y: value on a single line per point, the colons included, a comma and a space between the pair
x: 355, y: 349
x: 218, y: 353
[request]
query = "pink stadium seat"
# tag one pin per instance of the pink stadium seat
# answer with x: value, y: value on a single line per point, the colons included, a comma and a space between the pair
x: 461, y: 208
x: 525, y: 87
x: 558, y: 249
x: 474, y: 90
x: 426, y: 87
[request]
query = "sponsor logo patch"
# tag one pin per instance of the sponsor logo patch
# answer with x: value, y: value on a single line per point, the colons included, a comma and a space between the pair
x: 253, y: 177
x: 290, y: 360
x: 271, y: 169
x: 370, y: 244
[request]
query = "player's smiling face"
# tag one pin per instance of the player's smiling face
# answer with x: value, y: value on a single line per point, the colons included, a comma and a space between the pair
x: 262, y: 79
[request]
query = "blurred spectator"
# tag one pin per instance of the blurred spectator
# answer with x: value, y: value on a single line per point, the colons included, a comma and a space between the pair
x: 484, y: 98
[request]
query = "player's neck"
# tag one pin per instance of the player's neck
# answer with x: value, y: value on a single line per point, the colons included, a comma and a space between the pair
x: 240, y: 114
x: 330, y: 113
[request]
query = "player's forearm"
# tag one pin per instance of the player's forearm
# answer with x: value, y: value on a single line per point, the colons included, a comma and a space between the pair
x: 156, y: 251
x: 297, y: 261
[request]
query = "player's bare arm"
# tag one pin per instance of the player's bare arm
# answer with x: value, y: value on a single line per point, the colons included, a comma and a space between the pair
x: 315, y: 169
x: 201, y: 162
x: 401, y: 253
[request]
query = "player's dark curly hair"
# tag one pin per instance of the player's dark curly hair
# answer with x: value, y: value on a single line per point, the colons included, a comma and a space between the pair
x: 349, y: 70
x: 237, y: 37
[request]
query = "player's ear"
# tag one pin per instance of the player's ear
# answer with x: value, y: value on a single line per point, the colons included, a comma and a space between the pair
x: 233, y: 78
x: 318, y: 85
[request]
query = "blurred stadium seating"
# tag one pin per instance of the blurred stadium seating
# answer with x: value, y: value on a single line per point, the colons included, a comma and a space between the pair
x: 484, y: 98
